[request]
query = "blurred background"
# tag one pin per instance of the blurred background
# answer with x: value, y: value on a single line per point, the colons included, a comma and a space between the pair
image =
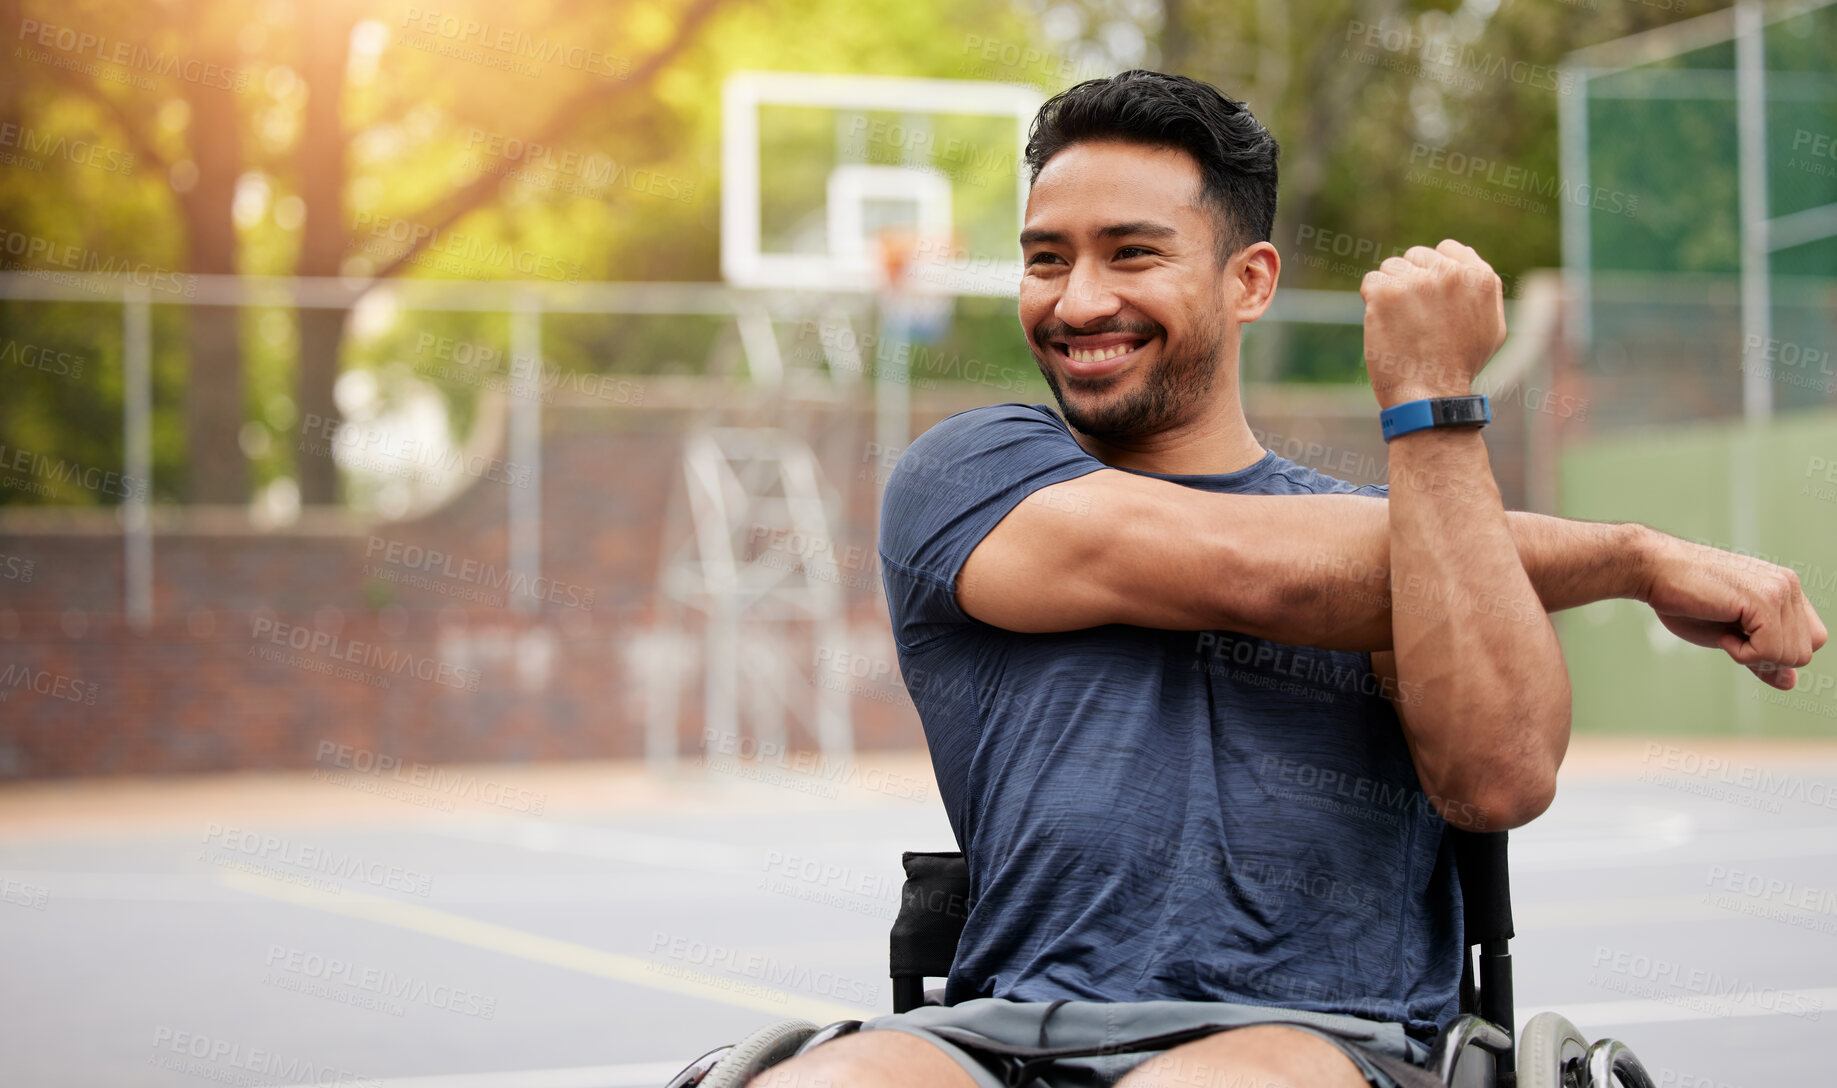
x: 444, y: 441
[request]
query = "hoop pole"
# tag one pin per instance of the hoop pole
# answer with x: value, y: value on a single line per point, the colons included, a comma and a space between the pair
x: 137, y: 440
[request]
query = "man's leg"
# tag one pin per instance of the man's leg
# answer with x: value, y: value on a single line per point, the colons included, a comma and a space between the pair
x: 869, y: 1059
x: 1260, y: 1056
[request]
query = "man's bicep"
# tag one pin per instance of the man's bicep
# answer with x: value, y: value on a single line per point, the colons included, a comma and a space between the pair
x: 1108, y: 547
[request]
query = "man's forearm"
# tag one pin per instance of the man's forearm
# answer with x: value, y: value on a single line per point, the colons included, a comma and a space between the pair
x: 1340, y: 593
x: 1491, y: 717
x: 1573, y: 563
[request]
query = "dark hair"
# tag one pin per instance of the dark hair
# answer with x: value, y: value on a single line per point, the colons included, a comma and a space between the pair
x: 1235, y: 153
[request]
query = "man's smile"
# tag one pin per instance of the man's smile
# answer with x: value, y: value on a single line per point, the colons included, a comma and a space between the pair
x: 1097, y: 355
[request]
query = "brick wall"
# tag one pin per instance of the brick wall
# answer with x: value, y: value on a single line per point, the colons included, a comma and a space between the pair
x: 268, y: 644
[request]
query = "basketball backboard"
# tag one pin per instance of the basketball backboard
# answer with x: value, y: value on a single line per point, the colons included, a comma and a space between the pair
x: 815, y: 168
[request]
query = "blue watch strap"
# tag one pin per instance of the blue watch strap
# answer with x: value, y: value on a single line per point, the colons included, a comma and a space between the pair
x: 1420, y: 415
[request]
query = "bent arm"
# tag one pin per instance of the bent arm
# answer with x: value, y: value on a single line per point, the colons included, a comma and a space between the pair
x: 1307, y: 570
x: 1490, y: 721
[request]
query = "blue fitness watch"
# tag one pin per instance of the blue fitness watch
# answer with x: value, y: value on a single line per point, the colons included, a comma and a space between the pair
x: 1420, y: 415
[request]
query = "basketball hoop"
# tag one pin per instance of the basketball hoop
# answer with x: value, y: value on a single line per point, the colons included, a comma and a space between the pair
x: 914, y: 295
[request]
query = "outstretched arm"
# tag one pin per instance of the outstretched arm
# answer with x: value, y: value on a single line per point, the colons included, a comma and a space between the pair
x: 1314, y: 570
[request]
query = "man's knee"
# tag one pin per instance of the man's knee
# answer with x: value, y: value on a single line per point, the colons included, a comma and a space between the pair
x: 869, y: 1059
x: 1259, y: 1056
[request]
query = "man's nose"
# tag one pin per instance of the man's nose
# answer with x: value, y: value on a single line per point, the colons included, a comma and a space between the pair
x: 1087, y: 296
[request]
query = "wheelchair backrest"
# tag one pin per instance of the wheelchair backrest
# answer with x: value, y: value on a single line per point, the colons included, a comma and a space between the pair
x: 935, y: 902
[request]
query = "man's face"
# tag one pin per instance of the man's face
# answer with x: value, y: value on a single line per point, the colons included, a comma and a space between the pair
x: 1123, y: 303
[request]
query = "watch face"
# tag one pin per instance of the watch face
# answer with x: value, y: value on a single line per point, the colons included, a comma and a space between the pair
x: 1455, y: 411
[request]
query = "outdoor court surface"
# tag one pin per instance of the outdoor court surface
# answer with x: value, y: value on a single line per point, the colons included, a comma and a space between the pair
x: 287, y: 929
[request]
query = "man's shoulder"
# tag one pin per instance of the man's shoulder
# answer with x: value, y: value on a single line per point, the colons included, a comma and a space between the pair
x: 977, y: 422
x: 1292, y: 477
x: 992, y: 445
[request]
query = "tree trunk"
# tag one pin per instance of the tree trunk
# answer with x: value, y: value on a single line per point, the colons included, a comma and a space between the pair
x: 214, y: 394
x: 324, y: 55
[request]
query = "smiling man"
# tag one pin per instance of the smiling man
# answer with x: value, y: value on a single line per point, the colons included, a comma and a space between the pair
x: 1201, y: 716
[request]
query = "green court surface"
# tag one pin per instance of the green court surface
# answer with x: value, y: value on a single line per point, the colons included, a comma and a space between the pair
x: 1770, y: 493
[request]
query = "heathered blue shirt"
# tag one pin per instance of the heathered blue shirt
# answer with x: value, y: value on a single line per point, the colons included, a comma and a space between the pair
x: 1160, y: 815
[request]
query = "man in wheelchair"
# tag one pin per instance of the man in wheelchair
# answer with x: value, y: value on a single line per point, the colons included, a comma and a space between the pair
x: 1202, y: 717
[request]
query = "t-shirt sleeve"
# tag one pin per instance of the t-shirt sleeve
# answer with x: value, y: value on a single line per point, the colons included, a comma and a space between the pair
x: 951, y: 486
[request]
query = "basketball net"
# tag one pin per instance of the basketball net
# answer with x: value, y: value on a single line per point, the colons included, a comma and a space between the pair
x: 914, y: 289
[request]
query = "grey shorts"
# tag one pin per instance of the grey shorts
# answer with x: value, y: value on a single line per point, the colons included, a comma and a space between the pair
x: 968, y: 1031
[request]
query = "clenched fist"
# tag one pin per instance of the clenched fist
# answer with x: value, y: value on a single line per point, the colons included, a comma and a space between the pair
x: 1433, y: 317
x: 1752, y: 610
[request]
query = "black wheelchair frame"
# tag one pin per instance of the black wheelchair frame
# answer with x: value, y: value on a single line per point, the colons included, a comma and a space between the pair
x: 1475, y: 1050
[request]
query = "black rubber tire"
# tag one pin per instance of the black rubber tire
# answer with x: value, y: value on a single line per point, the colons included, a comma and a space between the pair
x: 1550, y: 1046
x: 758, y: 1052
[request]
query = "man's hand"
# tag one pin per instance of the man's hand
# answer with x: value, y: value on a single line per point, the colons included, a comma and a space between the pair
x: 1752, y: 610
x: 1433, y: 317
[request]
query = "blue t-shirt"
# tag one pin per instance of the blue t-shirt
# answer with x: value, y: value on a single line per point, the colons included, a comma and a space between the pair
x: 1160, y: 815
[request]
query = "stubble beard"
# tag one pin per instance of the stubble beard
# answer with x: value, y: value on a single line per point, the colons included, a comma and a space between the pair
x: 1167, y: 395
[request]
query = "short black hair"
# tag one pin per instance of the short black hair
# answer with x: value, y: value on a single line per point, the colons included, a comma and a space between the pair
x: 1235, y: 153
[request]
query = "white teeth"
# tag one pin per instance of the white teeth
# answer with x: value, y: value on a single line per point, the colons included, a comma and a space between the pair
x: 1097, y: 355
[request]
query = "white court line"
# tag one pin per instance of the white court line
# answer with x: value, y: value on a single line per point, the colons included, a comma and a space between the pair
x: 669, y: 978
x: 609, y: 844
x: 1701, y: 1007
x: 635, y: 1075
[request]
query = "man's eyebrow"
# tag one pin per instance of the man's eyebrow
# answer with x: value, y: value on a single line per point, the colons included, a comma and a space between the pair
x: 1140, y: 228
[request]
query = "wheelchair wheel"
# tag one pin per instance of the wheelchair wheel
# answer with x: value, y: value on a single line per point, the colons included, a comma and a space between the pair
x: 758, y: 1052
x: 1552, y: 1054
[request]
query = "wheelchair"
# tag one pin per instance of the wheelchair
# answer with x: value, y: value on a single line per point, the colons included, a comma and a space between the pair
x: 1475, y: 1050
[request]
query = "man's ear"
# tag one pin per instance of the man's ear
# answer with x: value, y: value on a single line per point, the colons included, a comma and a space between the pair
x: 1255, y: 268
